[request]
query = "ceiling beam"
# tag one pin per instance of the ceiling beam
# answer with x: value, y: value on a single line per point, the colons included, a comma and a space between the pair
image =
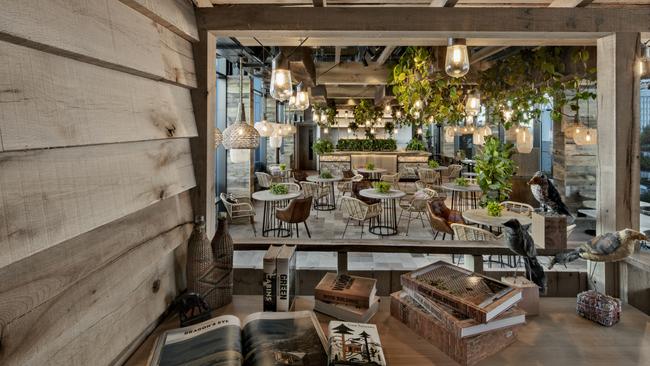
x: 202, y: 3
x: 337, y: 55
x: 485, y: 52
x: 350, y: 92
x: 414, y: 40
x: 384, y: 55
x: 301, y: 64
x: 351, y: 73
x: 569, y: 3
x: 382, y: 22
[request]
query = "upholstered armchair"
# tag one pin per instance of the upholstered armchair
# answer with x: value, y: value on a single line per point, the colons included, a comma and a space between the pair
x: 296, y: 212
x: 441, y: 217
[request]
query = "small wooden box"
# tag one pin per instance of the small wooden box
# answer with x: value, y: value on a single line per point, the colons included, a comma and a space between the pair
x: 529, y: 294
x: 549, y: 230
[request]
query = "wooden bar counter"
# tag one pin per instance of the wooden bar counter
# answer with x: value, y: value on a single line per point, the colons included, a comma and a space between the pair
x: 557, y: 337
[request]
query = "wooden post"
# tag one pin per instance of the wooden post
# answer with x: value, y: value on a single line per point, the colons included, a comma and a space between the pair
x: 618, y: 144
x: 474, y: 263
x: 203, y: 155
x: 342, y: 262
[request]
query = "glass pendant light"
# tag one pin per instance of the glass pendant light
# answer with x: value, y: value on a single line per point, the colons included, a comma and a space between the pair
x: 388, y: 110
x: 292, y: 101
x: 419, y: 131
x: 524, y: 141
x: 281, y: 87
x: 368, y: 123
x: 450, y: 134
x: 240, y: 137
x: 473, y: 104
x: 326, y: 130
x: 349, y: 130
x: 418, y: 105
x: 457, y: 60
x: 398, y: 114
x: 263, y: 127
x: 275, y: 141
x: 302, y: 98
x: 372, y: 130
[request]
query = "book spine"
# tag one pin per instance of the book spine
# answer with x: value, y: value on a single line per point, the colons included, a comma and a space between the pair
x: 283, y: 284
x: 341, y: 298
x: 269, y: 285
x: 473, y: 312
x: 436, y: 311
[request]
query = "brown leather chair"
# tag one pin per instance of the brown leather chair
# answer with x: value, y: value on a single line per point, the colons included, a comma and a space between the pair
x: 360, y: 186
x: 296, y: 212
x: 347, y: 174
x: 299, y: 175
x: 441, y: 217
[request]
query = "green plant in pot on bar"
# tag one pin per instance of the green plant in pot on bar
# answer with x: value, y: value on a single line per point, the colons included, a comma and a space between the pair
x: 381, y: 187
x: 416, y: 145
x: 278, y: 189
x: 494, y: 168
x: 322, y: 146
x: 283, y: 167
x: 494, y: 208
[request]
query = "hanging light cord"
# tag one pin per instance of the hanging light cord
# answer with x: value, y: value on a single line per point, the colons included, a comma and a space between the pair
x: 241, y: 81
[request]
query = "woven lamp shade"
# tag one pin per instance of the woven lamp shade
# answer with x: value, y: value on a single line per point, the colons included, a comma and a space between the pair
x: 218, y: 137
x: 241, y: 135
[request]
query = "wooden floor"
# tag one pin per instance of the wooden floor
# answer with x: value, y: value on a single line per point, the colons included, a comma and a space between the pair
x: 557, y: 337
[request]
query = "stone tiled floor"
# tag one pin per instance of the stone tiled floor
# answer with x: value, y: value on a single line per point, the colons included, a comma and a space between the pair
x: 330, y: 225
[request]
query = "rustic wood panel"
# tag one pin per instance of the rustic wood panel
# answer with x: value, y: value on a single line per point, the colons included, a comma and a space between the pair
x: 102, y: 32
x: 52, y: 101
x: 177, y: 15
x: 49, y: 196
x: 93, y: 321
x: 28, y: 283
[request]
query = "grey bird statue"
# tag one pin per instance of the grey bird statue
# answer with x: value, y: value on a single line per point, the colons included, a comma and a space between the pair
x: 609, y: 247
x: 521, y: 243
x: 547, y: 195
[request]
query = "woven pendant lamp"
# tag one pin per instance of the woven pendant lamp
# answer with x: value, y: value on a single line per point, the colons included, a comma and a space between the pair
x: 218, y: 137
x: 240, y: 135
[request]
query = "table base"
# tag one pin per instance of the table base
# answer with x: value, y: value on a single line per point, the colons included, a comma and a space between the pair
x: 386, y: 223
x: 270, y: 224
x: 327, y: 202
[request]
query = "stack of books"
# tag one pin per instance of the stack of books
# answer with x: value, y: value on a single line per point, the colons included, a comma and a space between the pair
x: 279, y: 286
x: 346, y: 297
x: 466, y: 315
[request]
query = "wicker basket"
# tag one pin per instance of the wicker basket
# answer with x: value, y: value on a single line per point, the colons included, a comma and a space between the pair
x: 199, y: 263
x: 602, y: 309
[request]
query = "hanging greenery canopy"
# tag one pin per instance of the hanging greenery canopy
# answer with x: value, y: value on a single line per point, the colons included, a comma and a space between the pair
x: 330, y: 113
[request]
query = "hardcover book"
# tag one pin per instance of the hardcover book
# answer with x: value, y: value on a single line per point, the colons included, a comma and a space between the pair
x: 461, y: 325
x: 479, y: 297
x: 465, y: 351
x: 354, y: 344
x: 346, y: 312
x: 270, y: 283
x: 286, y: 277
x: 346, y: 289
x: 293, y: 338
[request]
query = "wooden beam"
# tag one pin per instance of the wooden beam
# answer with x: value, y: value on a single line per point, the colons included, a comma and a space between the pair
x: 485, y: 52
x: 351, y: 73
x: 350, y: 92
x: 381, y: 22
x: 176, y: 15
x: 569, y: 3
x: 301, y: 63
x: 202, y: 3
x: 203, y: 155
x: 618, y: 143
x: 384, y: 55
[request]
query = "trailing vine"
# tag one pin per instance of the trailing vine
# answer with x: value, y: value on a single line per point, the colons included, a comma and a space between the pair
x: 330, y: 113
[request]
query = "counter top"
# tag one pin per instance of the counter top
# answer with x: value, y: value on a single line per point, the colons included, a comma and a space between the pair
x: 411, y: 153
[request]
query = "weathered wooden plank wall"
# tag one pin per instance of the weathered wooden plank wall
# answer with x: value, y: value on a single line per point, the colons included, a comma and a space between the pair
x: 95, y: 173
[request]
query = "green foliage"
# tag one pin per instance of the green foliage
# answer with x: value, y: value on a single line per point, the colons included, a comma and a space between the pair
x: 461, y: 182
x: 433, y: 164
x: 326, y: 174
x: 390, y: 128
x: 283, y: 167
x: 366, y: 145
x: 330, y: 112
x: 278, y: 189
x: 370, y: 166
x: 366, y: 111
x: 381, y: 187
x: 495, y: 167
x: 416, y: 145
x: 322, y: 146
x: 494, y: 208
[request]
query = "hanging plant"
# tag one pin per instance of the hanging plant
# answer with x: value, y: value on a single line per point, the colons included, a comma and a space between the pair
x: 366, y: 111
x: 329, y: 111
x: 390, y: 128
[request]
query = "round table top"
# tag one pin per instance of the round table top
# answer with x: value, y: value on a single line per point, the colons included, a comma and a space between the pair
x: 468, y: 161
x: 480, y: 216
x: 266, y: 195
x: 470, y: 174
x: 372, y: 193
x: 318, y: 179
x: 455, y: 187
x: 376, y: 170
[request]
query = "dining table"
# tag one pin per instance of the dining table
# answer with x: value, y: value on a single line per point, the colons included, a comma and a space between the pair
x: 372, y: 174
x: 480, y: 216
x: 463, y: 197
x: 387, y: 222
x: 270, y: 223
x: 328, y: 201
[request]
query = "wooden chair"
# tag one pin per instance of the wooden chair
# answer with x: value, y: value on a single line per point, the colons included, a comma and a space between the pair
x: 417, y: 204
x: 239, y: 208
x: 518, y: 207
x: 266, y: 180
x: 296, y: 212
x: 359, y: 211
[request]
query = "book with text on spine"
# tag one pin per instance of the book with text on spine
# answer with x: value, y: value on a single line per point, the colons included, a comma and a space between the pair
x: 347, y: 289
x: 269, y: 284
x: 286, y: 277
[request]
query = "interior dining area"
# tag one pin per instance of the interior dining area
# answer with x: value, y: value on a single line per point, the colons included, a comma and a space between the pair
x: 325, y: 182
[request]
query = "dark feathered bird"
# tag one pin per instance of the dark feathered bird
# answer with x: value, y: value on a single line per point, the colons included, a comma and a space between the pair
x: 521, y: 243
x: 547, y: 195
x: 609, y: 247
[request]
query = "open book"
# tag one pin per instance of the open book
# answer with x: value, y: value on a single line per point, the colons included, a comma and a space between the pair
x: 263, y: 339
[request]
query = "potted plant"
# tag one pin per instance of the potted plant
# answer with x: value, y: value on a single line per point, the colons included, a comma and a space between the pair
x: 494, y: 208
x: 433, y: 164
x: 283, y: 167
x: 461, y: 182
x: 325, y: 174
x: 322, y: 146
x: 494, y: 168
x: 415, y: 145
x: 370, y: 166
x: 381, y: 187
x: 278, y: 189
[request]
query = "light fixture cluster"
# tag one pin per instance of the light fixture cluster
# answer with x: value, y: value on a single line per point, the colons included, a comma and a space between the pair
x: 281, y: 88
x: 457, y: 58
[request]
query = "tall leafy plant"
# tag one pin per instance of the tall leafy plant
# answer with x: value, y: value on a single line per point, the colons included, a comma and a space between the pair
x: 495, y: 167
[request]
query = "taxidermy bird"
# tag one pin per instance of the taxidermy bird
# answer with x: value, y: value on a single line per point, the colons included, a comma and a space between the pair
x: 547, y: 195
x: 521, y: 243
x: 609, y: 247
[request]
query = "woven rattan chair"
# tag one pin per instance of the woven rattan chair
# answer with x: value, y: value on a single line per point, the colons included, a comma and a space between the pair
x: 429, y: 176
x: 416, y: 205
x: 360, y: 186
x: 295, y: 213
x: 241, y: 208
x: 393, y: 179
x: 266, y: 180
x: 346, y: 186
x: 359, y: 211
x: 292, y: 187
x: 472, y: 233
x: 453, y: 172
x: 518, y: 207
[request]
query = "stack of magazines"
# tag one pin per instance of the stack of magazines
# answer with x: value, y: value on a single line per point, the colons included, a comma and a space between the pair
x: 346, y: 297
x: 466, y: 315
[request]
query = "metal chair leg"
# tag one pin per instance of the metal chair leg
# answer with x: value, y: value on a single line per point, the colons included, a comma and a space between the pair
x: 297, y: 231
x: 307, y: 229
x: 346, y: 228
x: 362, y: 225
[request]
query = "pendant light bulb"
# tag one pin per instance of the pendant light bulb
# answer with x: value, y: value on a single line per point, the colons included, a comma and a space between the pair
x: 302, y: 98
x: 419, y: 131
x: 281, y: 86
x: 326, y: 130
x: 398, y: 114
x: 387, y: 109
x: 457, y: 59
x: 349, y: 130
x: 473, y: 104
